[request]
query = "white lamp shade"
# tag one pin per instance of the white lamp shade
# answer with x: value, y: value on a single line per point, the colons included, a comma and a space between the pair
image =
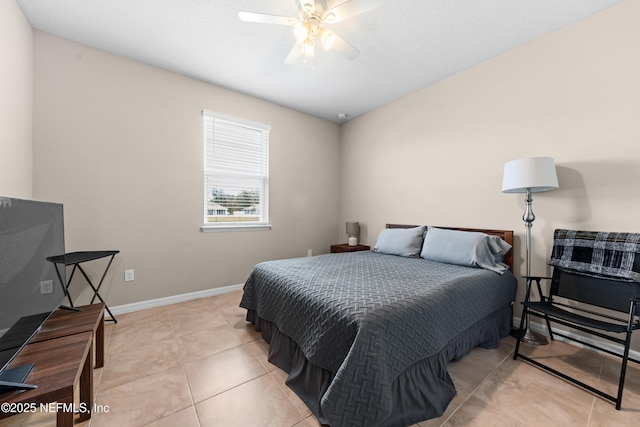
x: 535, y: 173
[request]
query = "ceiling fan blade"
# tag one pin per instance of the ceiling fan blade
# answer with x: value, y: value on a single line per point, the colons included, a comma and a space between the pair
x: 308, y: 6
x: 263, y: 18
x: 345, y: 49
x: 350, y: 8
x: 295, y: 53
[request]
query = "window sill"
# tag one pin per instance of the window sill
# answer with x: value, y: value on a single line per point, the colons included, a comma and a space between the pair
x: 211, y: 228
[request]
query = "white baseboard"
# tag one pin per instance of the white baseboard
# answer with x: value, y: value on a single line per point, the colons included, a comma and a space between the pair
x: 542, y: 329
x: 159, y: 302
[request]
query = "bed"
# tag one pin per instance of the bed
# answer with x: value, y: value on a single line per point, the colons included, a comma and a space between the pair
x: 366, y: 336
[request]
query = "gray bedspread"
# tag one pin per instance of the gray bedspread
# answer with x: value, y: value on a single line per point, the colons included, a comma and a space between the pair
x: 367, y: 317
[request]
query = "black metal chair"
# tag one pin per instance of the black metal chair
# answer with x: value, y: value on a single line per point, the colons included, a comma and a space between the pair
x: 593, y: 294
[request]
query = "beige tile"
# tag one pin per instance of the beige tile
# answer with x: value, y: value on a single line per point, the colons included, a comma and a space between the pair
x: 184, y: 418
x: 198, y: 304
x: 511, y: 387
x: 236, y: 317
x: 611, y: 373
x: 145, y: 400
x: 455, y: 404
x: 28, y: 419
x: 472, y: 369
x: 310, y: 421
x: 201, y: 305
x: 129, y: 336
x: 260, y: 348
x: 129, y: 365
x: 233, y: 311
x: 436, y: 422
x: 580, y: 363
x: 194, y: 320
x: 97, y: 377
x: 565, y: 353
x: 108, y: 328
x: 468, y: 374
x: 246, y: 331
x: 612, y: 418
x: 609, y: 384
x: 142, y: 317
x: 280, y: 377
x: 229, y: 299
x: 207, y: 342
x: 211, y: 375
x: 476, y: 412
x: 258, y: 403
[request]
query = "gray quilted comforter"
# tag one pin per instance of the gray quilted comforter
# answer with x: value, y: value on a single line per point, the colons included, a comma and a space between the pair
x: 367, y: 317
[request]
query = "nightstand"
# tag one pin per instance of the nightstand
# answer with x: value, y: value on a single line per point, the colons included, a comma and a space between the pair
x: 343, y: 247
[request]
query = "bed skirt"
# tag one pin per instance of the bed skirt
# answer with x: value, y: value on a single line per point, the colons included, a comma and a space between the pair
x: 422, y: 391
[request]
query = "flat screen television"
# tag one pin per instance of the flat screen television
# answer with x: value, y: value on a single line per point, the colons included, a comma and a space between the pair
x: 30, y: 287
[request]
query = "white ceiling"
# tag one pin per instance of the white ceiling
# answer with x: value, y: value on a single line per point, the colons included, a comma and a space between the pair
x: 404, y: 45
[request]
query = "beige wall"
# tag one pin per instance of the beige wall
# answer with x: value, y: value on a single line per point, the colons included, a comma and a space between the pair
x: 436, y: 156
x: 120, y: 144
x: 16, y: 101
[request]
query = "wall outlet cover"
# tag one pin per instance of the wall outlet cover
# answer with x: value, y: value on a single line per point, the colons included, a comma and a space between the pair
x: 46, y: 287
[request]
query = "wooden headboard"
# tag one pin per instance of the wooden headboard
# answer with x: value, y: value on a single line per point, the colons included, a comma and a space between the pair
x: 506, y: 235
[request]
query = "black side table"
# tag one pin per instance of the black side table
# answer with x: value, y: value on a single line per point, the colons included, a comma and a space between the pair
x: 77, y: 258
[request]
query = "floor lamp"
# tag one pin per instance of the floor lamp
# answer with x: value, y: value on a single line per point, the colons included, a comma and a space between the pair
x: 530, y: 175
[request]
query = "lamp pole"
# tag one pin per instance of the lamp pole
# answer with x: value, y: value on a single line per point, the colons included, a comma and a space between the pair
x: 530, y: 337
x: 528, y: 217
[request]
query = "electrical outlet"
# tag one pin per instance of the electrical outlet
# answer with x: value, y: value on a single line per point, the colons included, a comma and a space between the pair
x: 128, y: 276
x: 309, y: 252
x: 46, y: 287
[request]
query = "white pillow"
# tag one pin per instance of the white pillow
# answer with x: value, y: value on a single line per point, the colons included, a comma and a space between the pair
x: 405, y: 242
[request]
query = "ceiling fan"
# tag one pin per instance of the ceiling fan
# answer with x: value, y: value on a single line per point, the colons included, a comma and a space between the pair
x: 310, y: 25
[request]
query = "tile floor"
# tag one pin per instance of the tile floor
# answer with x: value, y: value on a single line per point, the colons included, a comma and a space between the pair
x: 199, y: 363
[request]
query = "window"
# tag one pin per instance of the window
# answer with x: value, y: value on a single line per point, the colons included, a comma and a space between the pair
x: 236, y: 173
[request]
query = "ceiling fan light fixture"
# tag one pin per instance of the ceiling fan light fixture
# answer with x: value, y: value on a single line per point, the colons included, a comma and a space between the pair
x: 301, y: 31
x: 307, y: 48
x: 308, y: 25
x: 327, y: 38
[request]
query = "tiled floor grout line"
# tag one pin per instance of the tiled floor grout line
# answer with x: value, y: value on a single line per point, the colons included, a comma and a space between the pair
x: 491, y: 389
x: 476, y: 388
x: 593, y: 401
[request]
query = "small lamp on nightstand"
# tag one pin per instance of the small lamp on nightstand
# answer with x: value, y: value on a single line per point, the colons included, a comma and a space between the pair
x: 353, y: 233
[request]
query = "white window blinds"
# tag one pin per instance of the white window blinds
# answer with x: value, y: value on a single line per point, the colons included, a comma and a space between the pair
x: 236, y: 171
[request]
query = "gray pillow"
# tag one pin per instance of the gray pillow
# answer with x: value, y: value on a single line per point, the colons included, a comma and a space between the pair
x: 468, y: 248
x: 405, y: 242
x: 498, y: 247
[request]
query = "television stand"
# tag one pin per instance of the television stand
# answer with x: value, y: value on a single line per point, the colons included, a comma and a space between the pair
x: 62, y: 366
x: 12, y: 379
x: 86, y: 318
